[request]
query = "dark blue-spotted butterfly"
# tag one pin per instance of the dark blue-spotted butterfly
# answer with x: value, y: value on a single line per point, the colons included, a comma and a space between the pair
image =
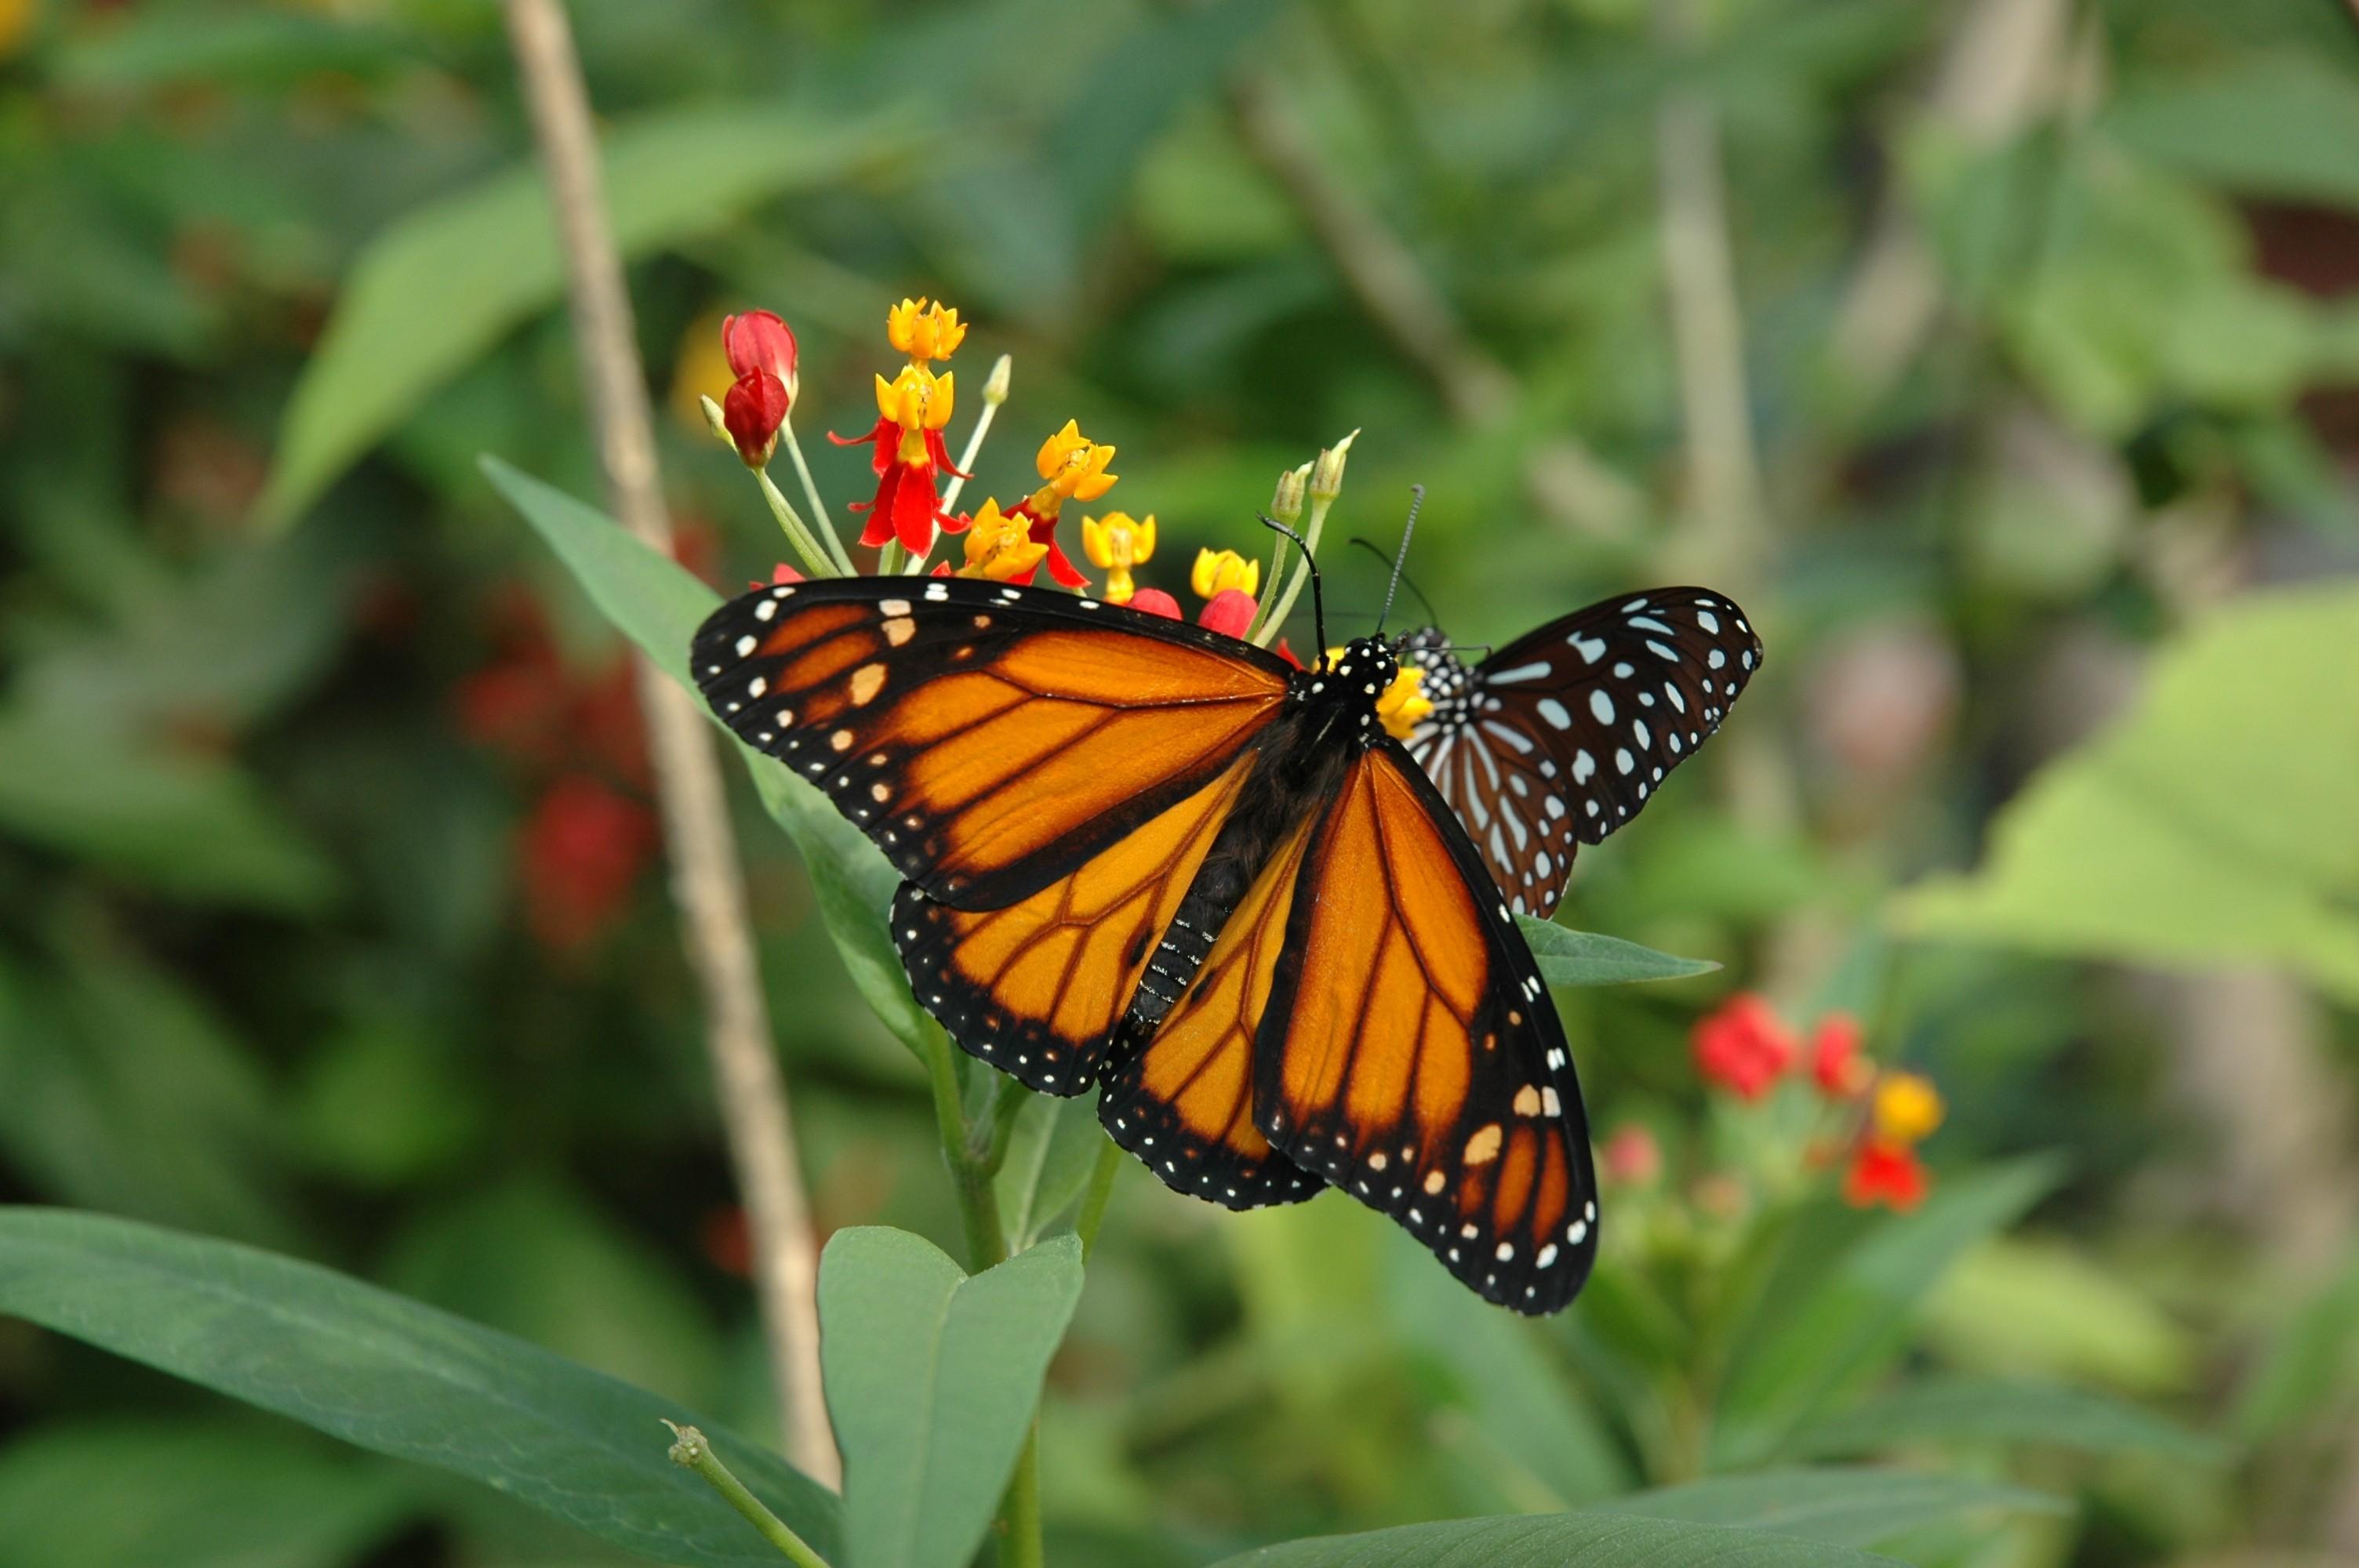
x: 1148, y: 856
x: 1563, y: 735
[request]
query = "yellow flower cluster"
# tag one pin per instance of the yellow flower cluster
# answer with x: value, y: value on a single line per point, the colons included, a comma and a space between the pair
x: 1000, y: 548
x: 1117, y: 544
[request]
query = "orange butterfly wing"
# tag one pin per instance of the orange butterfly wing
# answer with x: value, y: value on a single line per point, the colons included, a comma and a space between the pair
x: 1046, y: 772
x: 1035, y: 988
x: 1182, y: 1102
x: 989, y: 738
x: 1410, y: 1053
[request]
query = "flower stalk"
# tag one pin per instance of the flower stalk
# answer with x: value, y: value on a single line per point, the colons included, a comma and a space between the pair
x: 691, y: 1450
x: 1325, y: 483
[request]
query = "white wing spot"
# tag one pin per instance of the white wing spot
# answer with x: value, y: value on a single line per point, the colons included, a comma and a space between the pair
x: 1554, y: 712
x: 1602, y: 705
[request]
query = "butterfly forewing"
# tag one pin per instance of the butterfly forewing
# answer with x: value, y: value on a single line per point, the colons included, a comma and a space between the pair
x: 1563, y: 736
x: 990, y: 738
x: 1410, y: 1053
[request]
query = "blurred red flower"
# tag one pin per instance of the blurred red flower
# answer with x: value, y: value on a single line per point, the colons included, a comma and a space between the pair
x: 583, y: 850
x: 1743, y: 1047
x: 1887, y: 1173
x: 1230, y: 611
x: 1836, y: 1066
x: 1154, y: 601
x: 1631, y: 1155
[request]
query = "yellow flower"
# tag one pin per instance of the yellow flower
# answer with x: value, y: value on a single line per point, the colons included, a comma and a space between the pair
x: 1000, y: 548
x: 916, y: 399
x: 1907, y: 1108
x: 1117, y: 545
x: 1074, y: 467
x: 923, y: 332
x: 1216, y: 571
x: 1404, y: 704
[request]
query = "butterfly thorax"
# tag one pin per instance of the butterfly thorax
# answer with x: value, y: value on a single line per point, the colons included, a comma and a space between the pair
x: 1298, y: 766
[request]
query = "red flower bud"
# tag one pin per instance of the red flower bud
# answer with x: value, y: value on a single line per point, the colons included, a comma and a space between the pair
x: 1887, y: 1174
x: 1154, y: 601
x: 751, y: 413
x: 1230, y: 610
x: 759, y: 341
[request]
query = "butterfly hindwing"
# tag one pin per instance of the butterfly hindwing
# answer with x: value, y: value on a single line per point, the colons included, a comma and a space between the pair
x: 1562, y: 736
x: 1183, y: 1101
x: 1410, y: 1053
x: 990, y: 738
x: 1037, y: 987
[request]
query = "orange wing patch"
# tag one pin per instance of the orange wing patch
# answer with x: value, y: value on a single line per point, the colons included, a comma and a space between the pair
x: 1037, y: 988
x: 1184, y: 1102
x: 1411, y: 1055
x: 990, y: 738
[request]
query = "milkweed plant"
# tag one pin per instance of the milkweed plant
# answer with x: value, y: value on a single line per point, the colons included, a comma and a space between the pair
x: 1776, y: 1228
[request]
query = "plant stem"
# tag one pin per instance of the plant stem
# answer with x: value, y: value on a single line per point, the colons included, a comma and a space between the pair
x: 691, y: 1451
x: 1019, y: 1511
x: 1005, y: 1107
x: 798, y: 535
x: 1098, y: 1193
x: 1284, y: 604
x: 986, y: 1239
x: 819, y: 520
x: 706, y: 881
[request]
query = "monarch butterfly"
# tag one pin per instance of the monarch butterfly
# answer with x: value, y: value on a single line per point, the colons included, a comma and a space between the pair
x: 1560, y: 737
x: 1151, y: 856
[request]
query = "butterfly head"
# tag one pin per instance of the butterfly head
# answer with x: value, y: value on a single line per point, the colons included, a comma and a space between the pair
x: 1350, y: 681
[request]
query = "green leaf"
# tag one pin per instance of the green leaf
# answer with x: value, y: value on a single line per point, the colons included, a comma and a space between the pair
x: 1051, y: 1152
x: 1561, y: 1540
x: 2210, y: 826
x: 1539, y: 1440
x: 1585, y: 959
x: 397, y: 1378
x: 658, y: 605
x: 2309, y: 1363
x: 2047, y: 1309
x: 443, y: 285
x: 184, y: 824
x: 1852, y: 1317
x: 1838, y: 1506
x: 2280, y: 126
x: 1983, y: 1411
x: 932, y: 1378
x: 191, y: 1494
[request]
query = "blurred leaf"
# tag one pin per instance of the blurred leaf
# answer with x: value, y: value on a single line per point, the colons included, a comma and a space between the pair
x: 448, y: 280
x: 2209, y: 825
x: 378, y: 1104
x: 1852, y: 1319
x: 2310, y: 1365
x: 2045, y: 1309
x: 220, y: 48
x: 932, y: 1380
x: 1979, y: 1411
x: 189, y: 1494
x: 1838, y: 1506
x: 658, y: 605
x: 532, y: 1258
x: 1533, y: 1423
x: 1134, y: 90
x: 397, y: 1378
x: 1561, y: 1540
x: 2273, y: 125
x: 1585, y: 959
x: 1050, y: 1154
x: 184, y: 823
x: 119, y: 1087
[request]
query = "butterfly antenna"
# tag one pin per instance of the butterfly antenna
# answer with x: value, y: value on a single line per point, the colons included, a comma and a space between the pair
x: 1317, y: 598
x: 1417, y: 499
x: 1432, y: 616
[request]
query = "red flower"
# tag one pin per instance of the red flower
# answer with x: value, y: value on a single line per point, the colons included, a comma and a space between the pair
x: 1043, y: 531
x: 779, y: 574
x: 1887, y: 1173
x: 752, y: 411
x: 1743, y: 1047
x: 1631, y: 1155
x: 1230, y: 610
x: 759, y: 341
x: 583, y: 849
x: 912, y: 408
x: 1836, y: 1066
x: 1154, y: 601
x: 1287, y: 653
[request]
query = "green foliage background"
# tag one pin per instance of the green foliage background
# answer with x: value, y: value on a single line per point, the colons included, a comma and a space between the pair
x: 2049, y: 358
